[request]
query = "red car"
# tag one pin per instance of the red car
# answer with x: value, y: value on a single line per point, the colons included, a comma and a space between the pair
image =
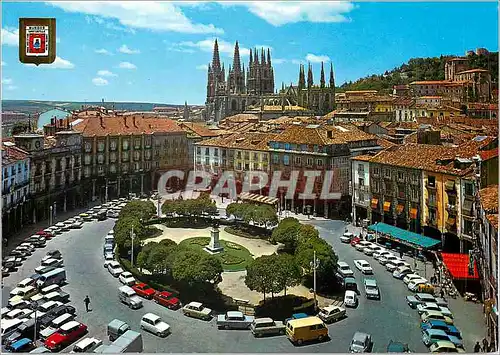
x: 166, y: 299
x: 144, y: 290
x: 355, y: 241
x: 45, y: 234
x: 65, y: 335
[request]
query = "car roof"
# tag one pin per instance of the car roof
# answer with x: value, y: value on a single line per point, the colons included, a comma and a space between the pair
x: 21, y: 342
x: 360, y: 336
x: 304, y: 322
x: 263, y: 320
x: 83, y: 343
x: 195, y: 304
x: 342, y: 263
x: 437, y: 322
x: 434, y: 313
x: 431, y: 331
x: 234, y: 314
x: 350, y: 293
x: 371, y: 282
x: 331, y: 308
x: 444, y: 343
x: 151, y: 316
x: 69, y: 325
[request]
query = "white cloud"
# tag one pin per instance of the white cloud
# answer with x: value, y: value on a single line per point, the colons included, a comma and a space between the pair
x: 7, y: 81
x: 105, y: 73
x: 10, y: 87
x: 298, y: 61
x: 99, y: 81
x: 278, y: 60
x: 202, y: 67
x: 127, y: 65
x: 152, y: 15
x: 207, y: 45
x: 103, y: 51
x: 58, y: 63
x: 279, y: 13
x: 58, y: 39
x: 10, y: 36
x: 3, y: 64
x: 125, y: 49
x: 317, y: 58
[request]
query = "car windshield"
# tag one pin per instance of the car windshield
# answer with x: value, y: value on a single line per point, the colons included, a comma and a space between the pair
x: 358, y: 342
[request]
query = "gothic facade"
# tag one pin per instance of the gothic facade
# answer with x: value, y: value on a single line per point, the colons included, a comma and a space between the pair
x: 254, y: 87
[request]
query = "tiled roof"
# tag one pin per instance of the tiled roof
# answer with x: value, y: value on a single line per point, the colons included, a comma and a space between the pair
x: 303, y: 135
x: 473, y: 71
x: 13, y: 154
x: 241, y: 117
x: 199, y: 129
x: 118, y: 125
x: 489, y: 198
x: 247, y: 141
x: 364, y: 157
x: 384, y: 143
x: 493, y: 218
x: 488, y: 154
x: 430, y: 82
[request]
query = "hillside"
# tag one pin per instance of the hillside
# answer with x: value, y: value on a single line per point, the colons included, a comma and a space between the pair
x: 32, y: 106
x: 419, y: 69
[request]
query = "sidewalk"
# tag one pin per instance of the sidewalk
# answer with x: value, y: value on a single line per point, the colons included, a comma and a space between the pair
x: 30, y: 229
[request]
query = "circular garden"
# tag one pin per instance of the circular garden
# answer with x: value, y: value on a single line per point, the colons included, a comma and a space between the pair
x: 234, y: 257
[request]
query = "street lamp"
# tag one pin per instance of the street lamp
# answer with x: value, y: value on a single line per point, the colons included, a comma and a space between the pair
x: 132, y: 236
x: 34, y: 306
x: 50, y: 216
x: 159, y: 207
x: 376, y: 232
x: 314, y: 265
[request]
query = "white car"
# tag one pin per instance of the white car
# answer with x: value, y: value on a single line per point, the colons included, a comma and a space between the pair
x: 371, y: 249
x: 18, y: 313
x: 86, y: 345
x: 410, y: 277
x: 401, y: 272
x: 153, y: 323
x: 111, y: 233
x: 26, y: 282
x: 62, y: 227
x: 422, y: 308
x: 44, y: 308
x: 114, y: 268
x: 362, y: 245
x: 382, y: 253
x: 363, y: 266
x: 52, y: 262
x: 77, y: 225
x: 350, y: 299
x: 69, y: 221
x: 387, y: 258
x: 412, y: 286
x: 346, y: 237
x: 344, y: 269
x: 394, y: 264
x: 109, y: 257
x: 126, y: 278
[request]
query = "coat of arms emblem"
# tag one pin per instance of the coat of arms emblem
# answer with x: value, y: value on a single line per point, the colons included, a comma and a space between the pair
x: 37, y: 40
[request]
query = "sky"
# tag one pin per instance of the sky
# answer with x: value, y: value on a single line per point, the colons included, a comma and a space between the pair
x: 159, y: 51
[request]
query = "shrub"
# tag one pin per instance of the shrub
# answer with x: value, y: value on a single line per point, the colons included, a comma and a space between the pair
x: 233, y: 246
x: 228, y: 259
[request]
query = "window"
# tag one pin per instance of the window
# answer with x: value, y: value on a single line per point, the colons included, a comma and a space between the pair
x: 137, y: 143
x: 467, y: 227
x: 216, y: 152
x: 207, y: 151
x: 276, y: 159
x: 100, y: 146
x: 100, y: 158
x: 207, y: 161
x: 414, y: 194
x: 125, y: 156
x: 286, y: 160
x: 239, y: 166
x: 361, y: 182
x: 431, y: 180
x: 401, y: 175
x: 298, y: 160
x: 247, y: 166
x: 137, y: 155
x: 469, y: 190
x: 198, y: 150
x: 255, y: 156
x: 125, y: 144
x: 376, y: 171
x: 287, y: 146
x: 216, y: 163
x: 309, y: 161
x: 247, y: 155
x: 238, y: 155
x: 147, y: 141
x: 387, y: 173
x: 319, y: 162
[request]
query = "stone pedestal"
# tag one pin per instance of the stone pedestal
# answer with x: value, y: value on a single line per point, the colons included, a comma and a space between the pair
x: 214, y: 246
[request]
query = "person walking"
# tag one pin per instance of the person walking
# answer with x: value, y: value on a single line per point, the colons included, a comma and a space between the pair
x: 442, y: 295
x: 477, y: 347
x: 87, y: 302
x: 485, y: 345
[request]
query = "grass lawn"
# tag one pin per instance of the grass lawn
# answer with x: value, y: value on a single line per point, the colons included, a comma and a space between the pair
x: 234, y: 257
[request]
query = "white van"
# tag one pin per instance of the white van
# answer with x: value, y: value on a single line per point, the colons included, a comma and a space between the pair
x: 57, y: 276
x: 128, y: 296
x: 350, y: 298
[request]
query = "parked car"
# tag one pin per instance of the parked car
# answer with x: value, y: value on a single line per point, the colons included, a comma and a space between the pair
x: 126, y: 278
x: 363, y: 266
x: 234, y: 320
x: 355, y: 241
x: 196, y: 310
x: 37, y: 240
x: 86, y: 345
x: 422, y: 308
x: 25, y: 330
x: 401, y: 272
x: 45, y: 308
x: 431, y: 336
x: 52, y: 262
x: 350, y: 299
x: 415, y: 284
x: 24, y: 345
x: 380, y: 254
x: 166, y: 299
x: 116, y: 328
x: 86, y: 218
x: 19, y: 253
x: 108, y: 258
x: 24, y: 249
x: 114, y: 268
x: 144, y: 290
x: 266, y: 326
x: 397, y: 347
x: 306, y: 329
x: 344, y: 269
x: 46, y: 233
x: 436, y: 315
x: 410, y: 277
x: 393, y: 265
x: 372, y: 249
x: 9, y: 326
x: 53, y: 254
x: 444, y: 346
x: 128, y: 296
x: 18, y: 313
x: 62, y: 226
x: 24, y: 293
x: 419, y: 298
x: 362, y: 245
x: 346, y: 237
x: 331, y: 314
x: 388, y: 258
x: 55, y: 312
x: 371, y: 289
x: 76, y: 225
x: 67, y: 334
x: 153, y: 323
x: 56, y: 324
x: 361, y: 343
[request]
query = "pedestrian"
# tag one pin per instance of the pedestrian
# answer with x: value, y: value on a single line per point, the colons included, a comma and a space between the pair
x: 477, y: 347
x: 401, y: 254
x: 492, y: 347
x: 87, y: 302
x: 442, y: 292
x: 485, y: 345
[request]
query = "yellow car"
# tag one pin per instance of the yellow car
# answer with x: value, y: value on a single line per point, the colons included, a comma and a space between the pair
x: 445, y: 346
x: 24, y: 294
x: 435, y: 315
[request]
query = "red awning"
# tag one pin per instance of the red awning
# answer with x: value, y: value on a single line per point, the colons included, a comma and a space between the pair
x: 458, y: 265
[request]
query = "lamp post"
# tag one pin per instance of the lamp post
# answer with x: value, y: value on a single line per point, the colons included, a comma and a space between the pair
x: 159, y: 207
x: 376, y: 233
x: 132, y: 252
x: 314, y: 265
x: 34, y: 306
x: 50, y: 216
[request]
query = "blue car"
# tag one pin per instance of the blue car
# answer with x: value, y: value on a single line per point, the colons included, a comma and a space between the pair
x: 452, y: 330
x: 24, y: 345
x: 434, y: 324
x: 297, y: 316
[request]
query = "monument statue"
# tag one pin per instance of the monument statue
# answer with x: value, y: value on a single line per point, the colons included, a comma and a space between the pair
x: 214, y: 246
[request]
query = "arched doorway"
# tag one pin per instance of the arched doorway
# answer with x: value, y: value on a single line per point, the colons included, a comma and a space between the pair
x: 234, y: 105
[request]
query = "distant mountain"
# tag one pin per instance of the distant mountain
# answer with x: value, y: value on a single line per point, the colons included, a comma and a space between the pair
x: 33, y: 106
x: 420, y: 69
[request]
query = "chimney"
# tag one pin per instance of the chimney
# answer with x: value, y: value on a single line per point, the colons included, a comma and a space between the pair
x: 102, y: 122
x: 52, y: 121
x: 125, y: 121
x: 133, y: 122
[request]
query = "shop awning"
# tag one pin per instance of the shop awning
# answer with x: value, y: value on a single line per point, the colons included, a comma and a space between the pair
x: 387, y: 206
x: 245, y: 196
x: 374, y: 203
x: 467, y: 206
x: 458, y: 266
x: 400, y: 208
x: 449, y: 185
x: 413, y: 213
x: 404, y: 236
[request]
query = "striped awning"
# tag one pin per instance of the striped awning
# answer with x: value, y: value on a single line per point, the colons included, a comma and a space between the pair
x: 246, y: 196
x: 387, y: 206
x: 374, y: 203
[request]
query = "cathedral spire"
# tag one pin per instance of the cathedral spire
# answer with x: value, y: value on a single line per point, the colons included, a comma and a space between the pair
x: 310, y: 81
x: 216, y: 58
x: 322, y: 79
x: 256, y: 56
x: 251, y: 57
x: 302, y: 78
x: 268, y: 57
x: 236, y: 58
x: 262, y: 57
x: 332, y: 79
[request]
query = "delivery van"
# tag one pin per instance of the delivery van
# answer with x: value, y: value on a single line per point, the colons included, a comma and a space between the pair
x: 306, y: 329
x: 54, y: 277
x: 128, y: 296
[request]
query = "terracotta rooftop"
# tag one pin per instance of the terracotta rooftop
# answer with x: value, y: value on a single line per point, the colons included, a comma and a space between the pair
x: 364, y: 157
x: 13, y: 154
x: 246, y: 141
x: 493, y: 218
x: 489, y: 198
x: 303, y: 135
x: 241, y: 117
x: 118, y: 125
x: 384, y: 143
x: 430, y: 82
x: 199, y: 129
x: 477, y: 70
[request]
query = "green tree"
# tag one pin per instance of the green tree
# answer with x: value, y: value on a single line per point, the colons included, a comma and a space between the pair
x: 286, y: 233
x: 141, y: 209
x: 143, y: 256
x: 260, y: 276
x: 289, y: 273
x: 123, y: 228
x: 19, y: 128
x: 195, y: 267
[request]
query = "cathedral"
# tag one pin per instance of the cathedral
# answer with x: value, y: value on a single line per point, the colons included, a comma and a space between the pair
x: 242, y: 90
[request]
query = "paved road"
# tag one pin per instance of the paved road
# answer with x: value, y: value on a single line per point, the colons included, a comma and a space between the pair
x: 387, y: 319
